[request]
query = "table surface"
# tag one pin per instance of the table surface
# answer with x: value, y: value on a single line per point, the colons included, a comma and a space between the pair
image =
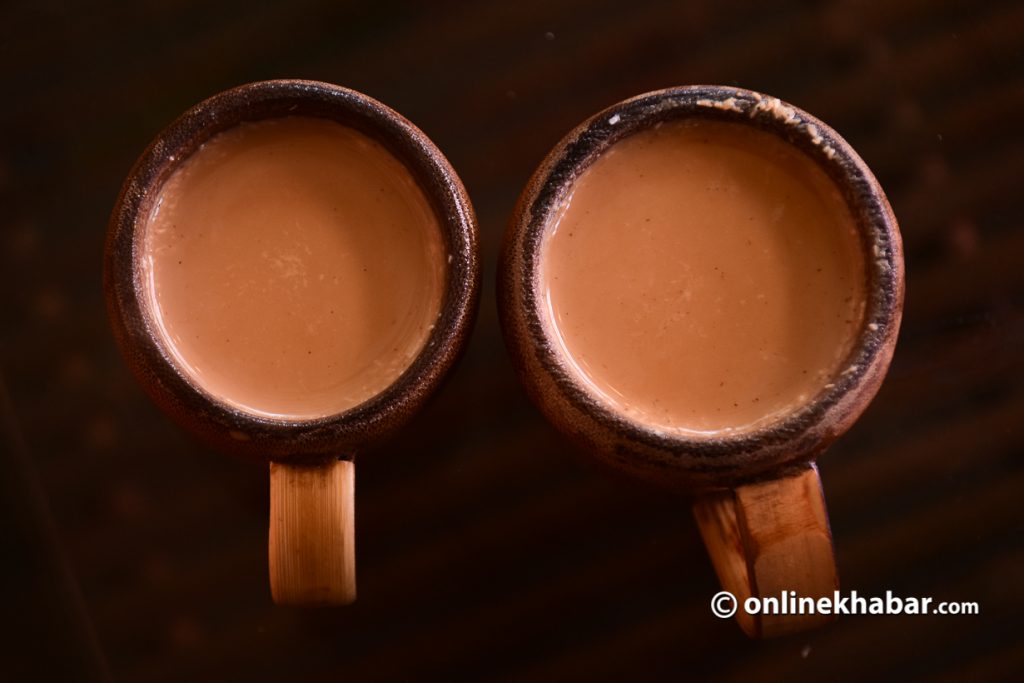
x: 490, y: 548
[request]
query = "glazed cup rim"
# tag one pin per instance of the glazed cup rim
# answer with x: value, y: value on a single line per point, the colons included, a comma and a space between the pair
x: 858, y: 377
x: 145, y: 347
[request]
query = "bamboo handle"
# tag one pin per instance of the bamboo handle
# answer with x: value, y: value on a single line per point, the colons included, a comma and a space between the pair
x: 312, y: 533
x: 767, y: 539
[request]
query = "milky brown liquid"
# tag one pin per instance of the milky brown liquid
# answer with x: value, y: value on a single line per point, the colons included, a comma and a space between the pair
x: 704, y: 277
x: 293, y: 266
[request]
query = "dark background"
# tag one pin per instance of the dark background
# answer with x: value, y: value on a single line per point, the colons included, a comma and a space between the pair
x: 486, y: 551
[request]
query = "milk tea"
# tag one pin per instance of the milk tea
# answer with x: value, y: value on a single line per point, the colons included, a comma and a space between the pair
x: 704, y: 276
x: 294, y: 268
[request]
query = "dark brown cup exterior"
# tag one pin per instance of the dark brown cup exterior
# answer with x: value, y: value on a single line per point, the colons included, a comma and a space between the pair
x: 228, y: 428
x: 669, y: 459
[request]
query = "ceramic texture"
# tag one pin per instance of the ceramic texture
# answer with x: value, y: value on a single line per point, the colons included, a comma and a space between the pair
x: 669, y: 459
x: 229, y: 428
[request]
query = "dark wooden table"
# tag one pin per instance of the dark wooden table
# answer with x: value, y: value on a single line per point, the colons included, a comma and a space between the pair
x: 486, y: 549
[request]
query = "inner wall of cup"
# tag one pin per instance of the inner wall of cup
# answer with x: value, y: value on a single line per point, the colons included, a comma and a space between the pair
x: 863, y: 341
x: 192, y: 141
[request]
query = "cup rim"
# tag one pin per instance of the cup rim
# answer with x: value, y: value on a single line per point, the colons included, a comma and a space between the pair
x: 225, y: 425
x: 671, y: 453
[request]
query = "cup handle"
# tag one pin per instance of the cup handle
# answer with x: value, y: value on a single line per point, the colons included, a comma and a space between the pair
x: 312, y: 533
x: 767, y: 539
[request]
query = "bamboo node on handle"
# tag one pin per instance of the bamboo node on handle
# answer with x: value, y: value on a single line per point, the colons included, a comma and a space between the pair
x: 766, y: 539
x: 312, y: 533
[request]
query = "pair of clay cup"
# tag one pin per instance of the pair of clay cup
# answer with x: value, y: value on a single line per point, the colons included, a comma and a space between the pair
x: 758, y: 498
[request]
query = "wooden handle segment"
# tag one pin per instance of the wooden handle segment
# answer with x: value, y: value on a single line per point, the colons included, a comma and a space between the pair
x: 768, y: 539
x: 312, y: 533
